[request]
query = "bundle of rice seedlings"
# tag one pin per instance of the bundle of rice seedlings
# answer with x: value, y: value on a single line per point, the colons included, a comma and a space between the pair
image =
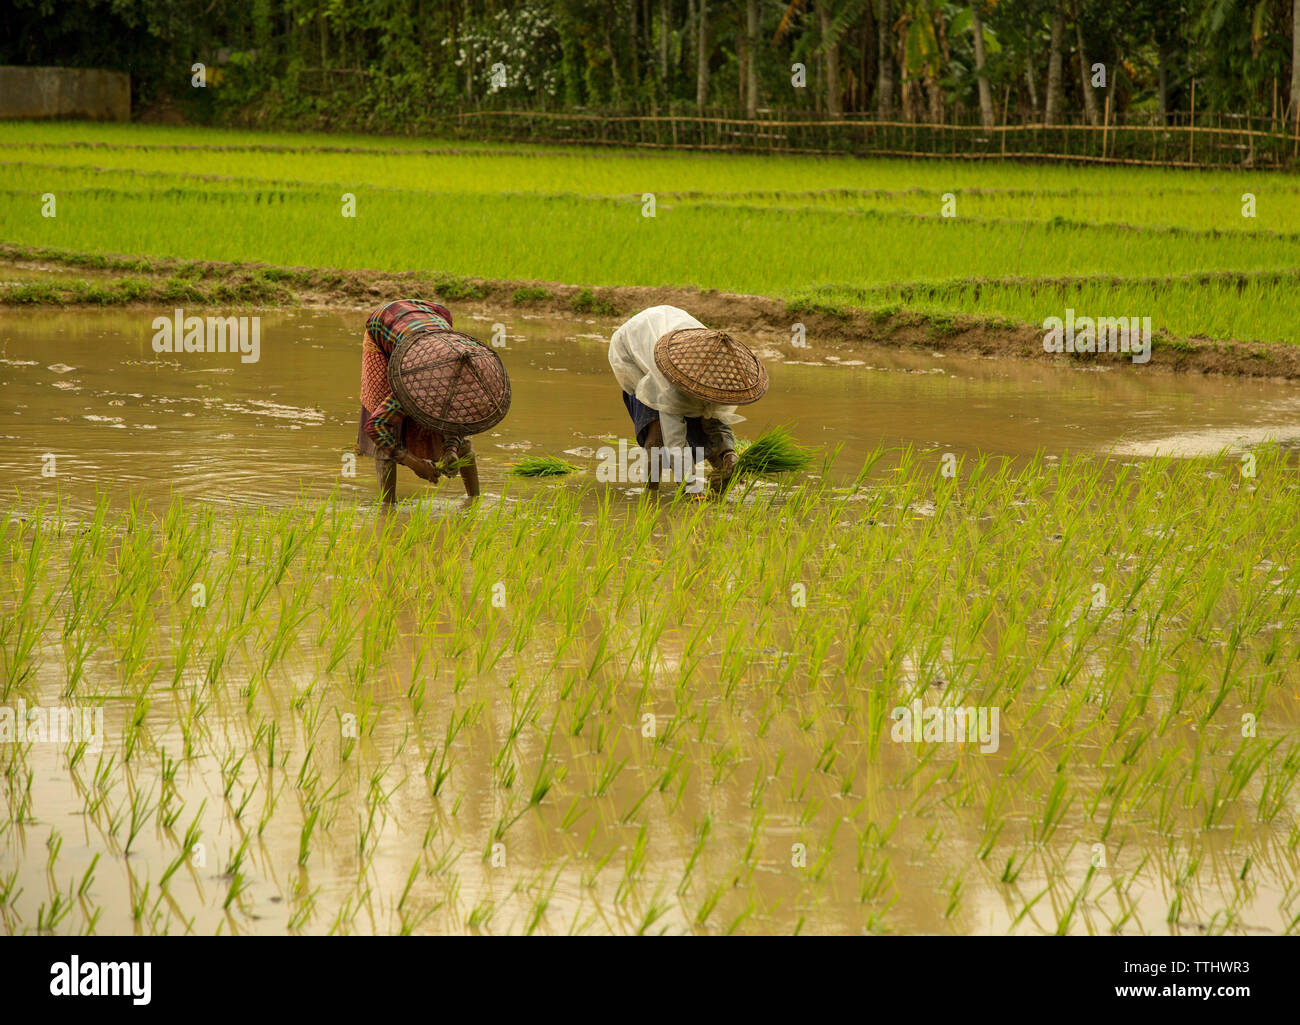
x: 542, y: 466
x: 774, y: 451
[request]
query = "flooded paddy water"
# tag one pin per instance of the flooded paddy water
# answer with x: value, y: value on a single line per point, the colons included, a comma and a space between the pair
x: 122, y: 417
x: 574, y: 710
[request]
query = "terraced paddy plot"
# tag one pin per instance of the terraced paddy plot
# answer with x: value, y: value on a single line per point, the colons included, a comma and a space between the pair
x: 1025, y: 242
x: 220, y: 158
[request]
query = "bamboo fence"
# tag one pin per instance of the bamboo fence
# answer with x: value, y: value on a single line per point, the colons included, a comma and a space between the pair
x: 1209, y: 140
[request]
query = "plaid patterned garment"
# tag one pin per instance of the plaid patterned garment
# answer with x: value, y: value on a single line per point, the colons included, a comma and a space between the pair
x: 382, y: 422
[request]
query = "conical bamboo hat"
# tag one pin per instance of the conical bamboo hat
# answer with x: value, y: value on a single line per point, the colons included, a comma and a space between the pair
x: 711, y: 365
x: 449, y: 381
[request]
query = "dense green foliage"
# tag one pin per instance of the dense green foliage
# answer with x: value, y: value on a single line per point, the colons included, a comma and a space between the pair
x: 394, y: 64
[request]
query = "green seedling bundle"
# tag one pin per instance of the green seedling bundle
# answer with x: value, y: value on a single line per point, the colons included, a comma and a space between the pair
x: 542, y: 466
x: 772, y: 453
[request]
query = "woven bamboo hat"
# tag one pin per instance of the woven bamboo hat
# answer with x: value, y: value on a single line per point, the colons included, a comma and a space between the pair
x: 449, y: 381
x: 711, y: 365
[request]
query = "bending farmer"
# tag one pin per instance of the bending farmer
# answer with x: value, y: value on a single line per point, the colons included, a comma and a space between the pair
x: 681, y: 385
x: 424, y: 390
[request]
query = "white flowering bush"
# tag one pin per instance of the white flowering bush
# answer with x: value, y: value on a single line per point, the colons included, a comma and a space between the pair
x: 514, y: 53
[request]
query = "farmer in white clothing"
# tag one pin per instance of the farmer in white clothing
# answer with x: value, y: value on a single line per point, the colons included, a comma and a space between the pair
x: 681, y: 385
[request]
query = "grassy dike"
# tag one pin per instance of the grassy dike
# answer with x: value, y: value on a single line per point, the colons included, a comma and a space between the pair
x: 50, y: 277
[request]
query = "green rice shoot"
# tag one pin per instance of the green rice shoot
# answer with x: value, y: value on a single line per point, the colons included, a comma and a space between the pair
x: 542, y: 466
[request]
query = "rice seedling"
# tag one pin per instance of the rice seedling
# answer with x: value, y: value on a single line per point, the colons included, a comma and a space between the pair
x: 456, y: 705
x: 47, y: 920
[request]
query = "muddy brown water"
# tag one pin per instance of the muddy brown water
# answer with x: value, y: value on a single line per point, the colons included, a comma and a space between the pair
x: 87, y: 387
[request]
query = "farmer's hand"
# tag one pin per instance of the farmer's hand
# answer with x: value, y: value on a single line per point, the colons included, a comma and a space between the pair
x: 448, y: 465
x: 426, y: 468
x: 422, y: 467
x: 725, y: 469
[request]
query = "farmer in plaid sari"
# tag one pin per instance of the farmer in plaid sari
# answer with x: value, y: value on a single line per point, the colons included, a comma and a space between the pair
x: 385, y: 431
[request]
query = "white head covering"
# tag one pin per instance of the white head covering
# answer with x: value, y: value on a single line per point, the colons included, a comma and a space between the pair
x: 631, y: 355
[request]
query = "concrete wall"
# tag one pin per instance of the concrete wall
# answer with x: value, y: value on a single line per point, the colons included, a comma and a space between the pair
x: 65, y: 92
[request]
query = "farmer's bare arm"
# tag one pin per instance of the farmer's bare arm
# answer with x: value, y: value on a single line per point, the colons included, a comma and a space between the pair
x: 422, y: 467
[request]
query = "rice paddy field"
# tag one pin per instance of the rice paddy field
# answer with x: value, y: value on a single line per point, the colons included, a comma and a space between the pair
x: 1023, y: 242
x: 514, y: 721
x: 1016, y: 652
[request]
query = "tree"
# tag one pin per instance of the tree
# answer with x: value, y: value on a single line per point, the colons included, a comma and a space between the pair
x: 385, y: 64
x: 702, y: 51
x: 665, y: 37
x: 981, y: 77
x: 1295, y: 65
x: 1052, y: 113
x: 831, y: 54
x: 1085, y: 71
x: 924, y: 45
x: 751, y: 58
x: 885, y: 51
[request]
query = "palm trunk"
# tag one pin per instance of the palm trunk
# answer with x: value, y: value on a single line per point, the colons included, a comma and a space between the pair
x: 986, y: 96
x: 934, y: 93
x: 885, y: 57
x: 1032, y: 79
x: 1089, y: 97
x: 1162, y: 95
x: 751, y: 58
x: 690, y: 35
x: 634, y: 54
x: 1295, y: 63
x: 702, y: 57
x: 664, y: 31
x: 868, y: 50
x: 616, y: 90
x: 1052, y: 115
x: 834, y: 95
